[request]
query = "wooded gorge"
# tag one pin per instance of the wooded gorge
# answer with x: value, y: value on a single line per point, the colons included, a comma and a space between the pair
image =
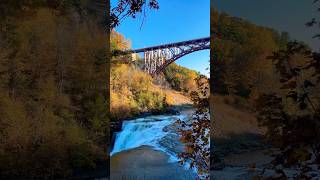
x: 137, y: 97
x: 134, y: 91
x: 275, y: 78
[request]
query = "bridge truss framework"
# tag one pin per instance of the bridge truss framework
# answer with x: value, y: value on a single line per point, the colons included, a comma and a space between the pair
x: 157, y: 58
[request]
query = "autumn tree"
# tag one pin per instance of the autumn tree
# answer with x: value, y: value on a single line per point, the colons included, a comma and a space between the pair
x: 195, y: 134
x: 292, y: 115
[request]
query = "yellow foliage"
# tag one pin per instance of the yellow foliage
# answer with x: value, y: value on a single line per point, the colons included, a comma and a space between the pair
x: 117, y: 41
x: 170, y: 100
x: 132, y: 91
x: 60, y: 72
x: 181, y: 78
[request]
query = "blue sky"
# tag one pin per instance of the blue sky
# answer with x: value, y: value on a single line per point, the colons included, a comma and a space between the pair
x: 282, y: 15
x: 174, y: 21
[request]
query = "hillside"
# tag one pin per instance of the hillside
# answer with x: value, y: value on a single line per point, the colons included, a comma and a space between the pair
x: 235, y: 129
x: 241, y: 74
x: 53, y: 115
x: 241, y: 66
x: 134, y: 91
x: 180, y: 78
x: 232, y: 120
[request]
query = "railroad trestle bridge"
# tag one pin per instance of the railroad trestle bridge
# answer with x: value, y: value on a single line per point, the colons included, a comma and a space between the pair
x: 157, y: 58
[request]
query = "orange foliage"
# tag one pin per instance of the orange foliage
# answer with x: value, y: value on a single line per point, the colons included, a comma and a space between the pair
x: 117, y: 41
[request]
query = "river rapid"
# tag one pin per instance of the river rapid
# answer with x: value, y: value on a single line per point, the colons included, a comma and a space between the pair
x: 151, y: 131
x: 154, y: 141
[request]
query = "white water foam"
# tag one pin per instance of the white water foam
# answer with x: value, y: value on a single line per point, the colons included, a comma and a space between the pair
x: 143, y: 131
x: 147, y: 131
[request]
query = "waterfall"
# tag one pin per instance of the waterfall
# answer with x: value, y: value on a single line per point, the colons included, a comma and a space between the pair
x: 150, y: 131
x: 142, y: 131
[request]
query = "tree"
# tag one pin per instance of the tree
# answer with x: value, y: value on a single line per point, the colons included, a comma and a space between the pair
x: 196, y: 132
x: 294, y: 126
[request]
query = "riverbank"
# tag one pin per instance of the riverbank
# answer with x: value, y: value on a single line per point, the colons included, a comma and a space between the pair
x: 242, y: 166
x: 238, y: 144
x: 145, y: 162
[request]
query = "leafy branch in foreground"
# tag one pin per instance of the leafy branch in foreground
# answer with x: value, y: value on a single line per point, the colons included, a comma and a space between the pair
x: 291, y: 114
x: 196, y: 133
x: 130, y: 8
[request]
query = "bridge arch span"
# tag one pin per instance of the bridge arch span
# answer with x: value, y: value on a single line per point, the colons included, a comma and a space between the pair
x: 157, y: 58
x: 173, y: 59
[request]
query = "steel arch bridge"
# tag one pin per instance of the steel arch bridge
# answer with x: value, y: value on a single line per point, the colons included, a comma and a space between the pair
x: 157, y: 58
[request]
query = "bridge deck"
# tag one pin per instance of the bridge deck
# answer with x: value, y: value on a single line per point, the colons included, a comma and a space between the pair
x: 169, y: 45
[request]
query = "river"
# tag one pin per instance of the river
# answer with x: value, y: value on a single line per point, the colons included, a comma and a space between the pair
x: 147, y: 148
